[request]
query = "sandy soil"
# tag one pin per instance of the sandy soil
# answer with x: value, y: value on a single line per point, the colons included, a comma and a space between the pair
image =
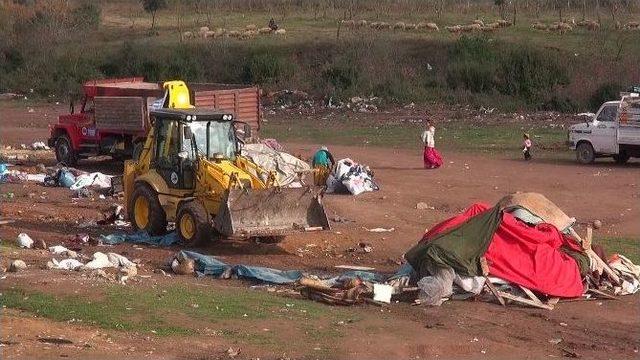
x: 592, y: 329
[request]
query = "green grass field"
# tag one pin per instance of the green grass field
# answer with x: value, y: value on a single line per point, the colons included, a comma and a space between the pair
x: 232, y: 313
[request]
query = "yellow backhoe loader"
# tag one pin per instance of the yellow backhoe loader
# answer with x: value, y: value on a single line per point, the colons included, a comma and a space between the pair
x: 190, y: 171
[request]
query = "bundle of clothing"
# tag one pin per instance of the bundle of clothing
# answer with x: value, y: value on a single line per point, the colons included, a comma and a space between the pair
x: 349, y: 176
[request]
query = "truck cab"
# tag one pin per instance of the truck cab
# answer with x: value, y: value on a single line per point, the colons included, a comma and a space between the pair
x: 614, y: 131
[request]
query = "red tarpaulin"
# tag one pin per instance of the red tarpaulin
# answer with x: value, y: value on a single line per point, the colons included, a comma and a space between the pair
x: 526, y: 255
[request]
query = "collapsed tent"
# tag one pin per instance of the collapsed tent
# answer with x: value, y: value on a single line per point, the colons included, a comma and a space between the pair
x: 537, y: 256
x: 349, y: 176
x: 287, y: 167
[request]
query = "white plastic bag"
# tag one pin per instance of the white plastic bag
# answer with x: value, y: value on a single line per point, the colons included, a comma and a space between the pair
x: 24, y: 241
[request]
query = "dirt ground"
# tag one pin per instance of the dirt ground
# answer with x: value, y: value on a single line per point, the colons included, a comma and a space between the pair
x: 458, y: 329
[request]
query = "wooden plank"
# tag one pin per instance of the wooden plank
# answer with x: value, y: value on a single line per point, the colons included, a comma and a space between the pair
x: 552, y: 301
x: 595, y: 257
x: 530, y: 294
x: 3, y: 222
x: 494, y: 291
x: 602, y: 293
x: 524, y: 301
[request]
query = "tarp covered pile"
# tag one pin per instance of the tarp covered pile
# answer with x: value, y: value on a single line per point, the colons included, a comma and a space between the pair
x: 287, y: 167
x: 524, y: 239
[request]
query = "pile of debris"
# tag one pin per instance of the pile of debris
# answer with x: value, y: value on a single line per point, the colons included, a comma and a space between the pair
x: 350, y: 177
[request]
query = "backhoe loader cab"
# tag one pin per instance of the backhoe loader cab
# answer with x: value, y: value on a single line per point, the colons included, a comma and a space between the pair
x: 191, y: 172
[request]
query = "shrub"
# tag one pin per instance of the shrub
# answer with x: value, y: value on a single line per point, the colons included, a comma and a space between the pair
x: 265, y: 68
x: 526, y: 73
x: 343, y: 76
x: 606, y: 92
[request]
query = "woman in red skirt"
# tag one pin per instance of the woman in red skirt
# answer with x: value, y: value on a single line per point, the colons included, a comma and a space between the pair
x: 431, y: 156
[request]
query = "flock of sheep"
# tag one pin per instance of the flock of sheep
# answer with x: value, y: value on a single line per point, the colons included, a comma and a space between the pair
x: 252, y: 30
x: 381, y: 25
x: 249, y: 31
x: 591, y: 25
x: 476, y: 25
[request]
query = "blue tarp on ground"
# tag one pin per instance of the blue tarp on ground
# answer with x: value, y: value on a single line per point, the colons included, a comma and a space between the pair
x: 210, y: 265
x: 141, y: 237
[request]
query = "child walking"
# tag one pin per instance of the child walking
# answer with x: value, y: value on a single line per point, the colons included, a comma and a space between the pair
x: 526, y: 147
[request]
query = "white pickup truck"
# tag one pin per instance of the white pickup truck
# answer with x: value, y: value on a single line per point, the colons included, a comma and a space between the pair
x: 614, y: 131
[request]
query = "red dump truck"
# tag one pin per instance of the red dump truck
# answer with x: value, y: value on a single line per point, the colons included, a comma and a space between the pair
x: 113, y: 115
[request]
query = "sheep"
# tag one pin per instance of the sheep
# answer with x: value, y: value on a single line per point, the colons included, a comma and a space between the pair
x: 349, y: 23
x: 233, y: 33
x: 374, y: 25
x: 251, y: 27
x: 399, y: 25
x: 361, y: 23
x: 493, y: 25
x: 478, y: 21
x: 539, y: 26
x: 248, y: 34
x: 487, y: 29
x: 187, y: 35
x: 203, y: 29
x: 384, y: 25
x: 632, y: 25
x: 456, y: 29
x: 504, y: 23
x: 433, y: 26
x: 280, y: 32
x: 593, y: 26
x: 209, y: 34
x: 410, y: 26
x: 264, y: 30
x: 471, y: 27
x: 560, y: 27
x: 219, y: 32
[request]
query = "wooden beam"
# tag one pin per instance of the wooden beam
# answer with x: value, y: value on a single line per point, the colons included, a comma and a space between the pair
x: 603, y: 294
x: 524, y: 301
x: 494, y: 291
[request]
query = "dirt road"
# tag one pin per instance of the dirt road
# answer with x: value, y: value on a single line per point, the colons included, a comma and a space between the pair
x: 458, y: 329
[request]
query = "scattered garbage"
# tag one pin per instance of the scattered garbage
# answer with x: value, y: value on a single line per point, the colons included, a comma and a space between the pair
x: 349, y: 176
x: 380, y: 230
x: 382, y: 293
x: 39, y: 145
x: 63, y: 251
x: 424, y: 206
x: 141, y: 237
x: 24, y: 241
x: 17, y: 265
x: 66, y: 264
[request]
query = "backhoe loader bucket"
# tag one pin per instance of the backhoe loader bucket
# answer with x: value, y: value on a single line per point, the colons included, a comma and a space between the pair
x: 270, y: 212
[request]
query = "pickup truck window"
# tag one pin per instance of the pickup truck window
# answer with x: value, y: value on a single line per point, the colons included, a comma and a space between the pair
x: 608, y: 113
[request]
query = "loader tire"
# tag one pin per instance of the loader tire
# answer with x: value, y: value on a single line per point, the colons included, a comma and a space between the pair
x: 193, y: 224
x: 145, y: 211
x: 64, y: 151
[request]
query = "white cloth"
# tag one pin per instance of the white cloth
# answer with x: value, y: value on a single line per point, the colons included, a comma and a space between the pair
x: 66, y: 264
x: 97, y: 179
x: 428, y: 137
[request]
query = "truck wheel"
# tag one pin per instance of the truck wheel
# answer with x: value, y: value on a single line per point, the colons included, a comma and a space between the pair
x: 64, y: 151
x: 193, y: 223
x: 145, y: 211
x: 621, y: 158
x: 585, y: 153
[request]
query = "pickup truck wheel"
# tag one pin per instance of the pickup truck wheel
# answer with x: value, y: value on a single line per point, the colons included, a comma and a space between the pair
x: 64, y: 151
x: 585, y: 153
x: 193, y: 224
x: 621, y: 158
x: 145, y: 211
